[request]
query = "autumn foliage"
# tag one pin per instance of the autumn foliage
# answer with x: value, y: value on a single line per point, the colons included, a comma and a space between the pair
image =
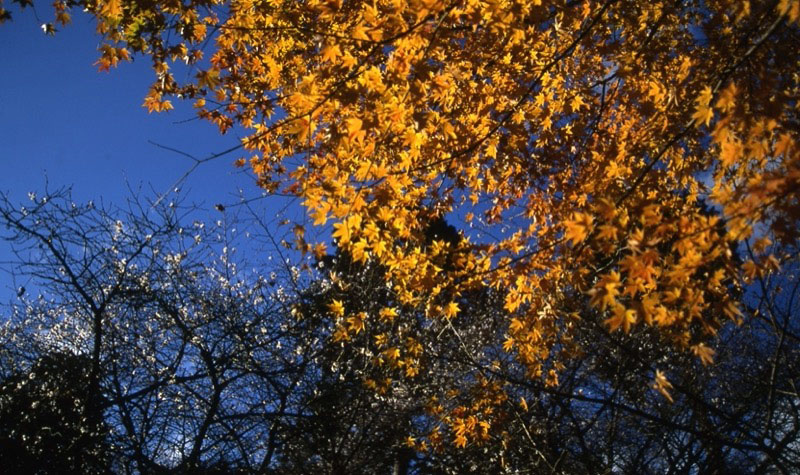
x: 601, y: 159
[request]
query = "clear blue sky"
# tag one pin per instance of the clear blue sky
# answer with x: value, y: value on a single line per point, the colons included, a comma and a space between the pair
x: 62, y: 119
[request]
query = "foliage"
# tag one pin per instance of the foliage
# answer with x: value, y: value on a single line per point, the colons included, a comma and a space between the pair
x: 194, y: 352
x: 606, y: 161
x: 391, y: 379
x: 49, y: 419
x: 739, y: 414
x: 193, y: 363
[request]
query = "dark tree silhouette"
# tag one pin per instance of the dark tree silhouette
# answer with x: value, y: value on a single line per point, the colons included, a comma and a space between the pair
x: 50, y: 421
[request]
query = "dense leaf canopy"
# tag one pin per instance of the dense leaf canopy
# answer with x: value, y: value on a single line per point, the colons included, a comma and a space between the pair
x: 602, y: 160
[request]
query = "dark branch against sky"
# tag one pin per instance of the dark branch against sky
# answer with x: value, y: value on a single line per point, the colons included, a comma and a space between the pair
x: 63, y: 123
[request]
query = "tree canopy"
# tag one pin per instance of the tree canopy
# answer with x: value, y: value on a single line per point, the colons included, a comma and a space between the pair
x: 632, y: 164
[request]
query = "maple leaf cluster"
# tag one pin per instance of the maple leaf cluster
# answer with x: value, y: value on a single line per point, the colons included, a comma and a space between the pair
x: 620, y: 151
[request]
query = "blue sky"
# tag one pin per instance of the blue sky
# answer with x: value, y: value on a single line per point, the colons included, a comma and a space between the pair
x: 62, y: 119
x: 63, y: 122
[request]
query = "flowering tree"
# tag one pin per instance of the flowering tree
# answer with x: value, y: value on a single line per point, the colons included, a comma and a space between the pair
x: 189, y: 362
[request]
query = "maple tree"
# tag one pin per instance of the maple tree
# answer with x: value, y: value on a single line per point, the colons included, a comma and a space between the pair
x: 619, y: 151
x: 175, y: 307
x: 601, y: 416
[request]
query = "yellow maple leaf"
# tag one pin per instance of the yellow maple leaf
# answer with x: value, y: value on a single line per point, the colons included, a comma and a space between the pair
x: 360, y: 33
x: 703, y: 352
x: 727, y: 99
x: 330, y: 53
x: 578, y: 227
x: 336, y: 307
x: 341, y: 233
x: 112, y: 9
x: 347, y: 229
x: 301, y: 128
x: 622, y: 317
x: 608, y: 232
x: 451, y: 310
x: 356, y: 322
x: 348, y: 61
x: 508, y: 344
x: 388, y: 313
x: 577, y: 103
x: 662, y: 385
x: 379, y: 248
x: 790, y: 8
x: 703, y: 111
x: 354, y: 131
x: 341, y: 334
x: 730, y: 151
x: 359, y: 251
x: 411, y: 370
x: 153, y: 103
x: 320, y: 213
x: 516, y: 325
x: 605, y: 292
x: 320, y: 250
x: 392, y: 354
x: 784, y: 144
